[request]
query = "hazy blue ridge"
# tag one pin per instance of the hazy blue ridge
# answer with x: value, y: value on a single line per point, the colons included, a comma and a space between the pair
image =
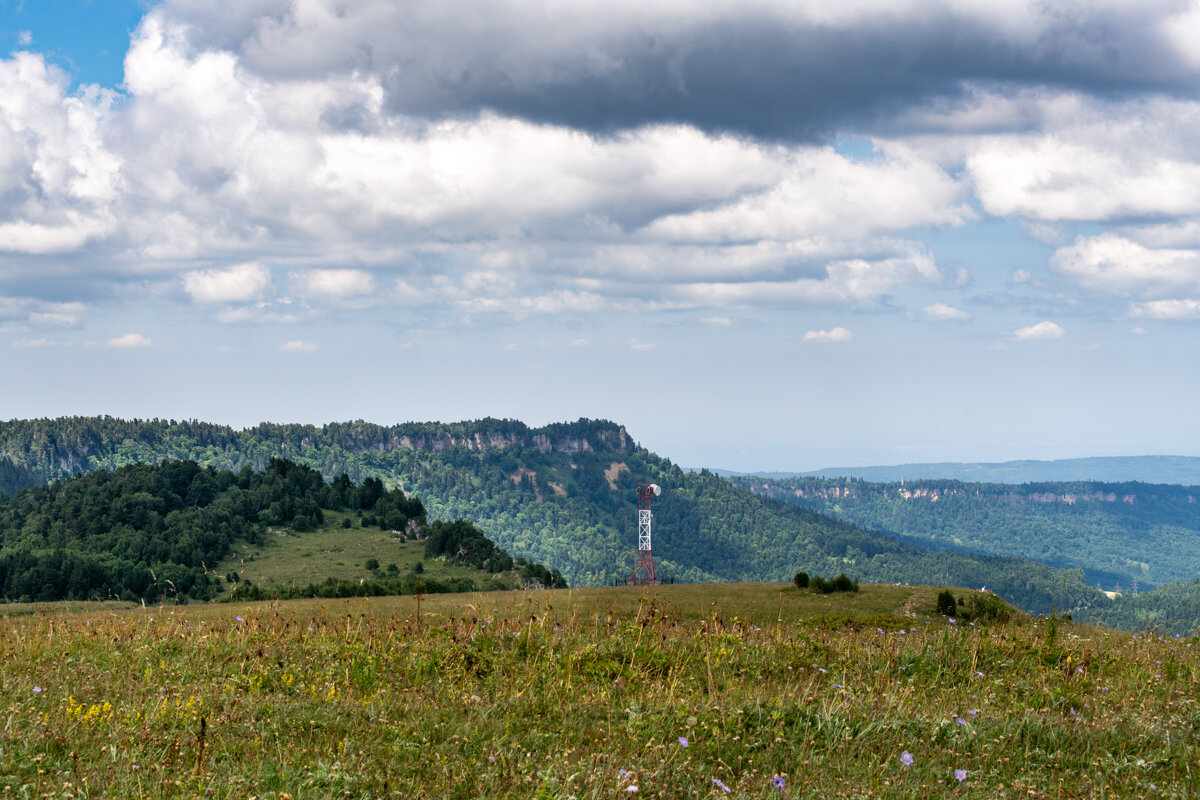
x: 1181, y: 470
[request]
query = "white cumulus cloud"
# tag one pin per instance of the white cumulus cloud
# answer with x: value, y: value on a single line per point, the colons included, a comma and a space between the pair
x: 297, y: 346
x: 128, y: 340
x: 945, y: 313
x: 1042, y: 330
x: 1183, y: 308
x: 240, y: 283
x: 334, y: 282
x: 838, y: 334
x: 1113, y: 263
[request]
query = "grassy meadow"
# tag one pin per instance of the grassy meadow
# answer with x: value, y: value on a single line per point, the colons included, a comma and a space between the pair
x: 749, y: 690
x: 291, y: 558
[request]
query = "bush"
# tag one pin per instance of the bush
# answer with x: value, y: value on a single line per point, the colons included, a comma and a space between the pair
x: 989, y: 607
x: 372, y: 564
x: 801, y: 580
x: 843, y: 584
x: 946, y: 604
x: 345, y: 522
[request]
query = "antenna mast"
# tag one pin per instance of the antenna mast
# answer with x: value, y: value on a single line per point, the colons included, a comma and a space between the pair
x: 643, y: 566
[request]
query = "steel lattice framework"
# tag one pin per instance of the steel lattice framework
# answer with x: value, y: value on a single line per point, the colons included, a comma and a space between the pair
x: 643, y: 566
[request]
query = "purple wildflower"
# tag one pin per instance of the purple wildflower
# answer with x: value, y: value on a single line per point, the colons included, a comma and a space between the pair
x: 906, y: 758
x: 632, y: 788
x: 623, y: 773
x: 239, y: 619
x: 960, y: 720
x: 37, y: 690
x: 683, y: 741
x: 952, y: 620
x: 720, y: 784
x: 779, y: 783
x: 972, y: 712
x: 960, y: 775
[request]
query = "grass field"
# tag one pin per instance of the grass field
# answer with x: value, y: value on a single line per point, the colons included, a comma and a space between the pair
x: 680, y: 691
x: 288, y: 558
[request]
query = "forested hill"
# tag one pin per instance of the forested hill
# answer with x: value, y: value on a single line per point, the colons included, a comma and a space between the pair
x: 152, y: 531
x: 1174, y: 608
x: 1115, y: 532
x: 563, y: 495
x: 33, y: 452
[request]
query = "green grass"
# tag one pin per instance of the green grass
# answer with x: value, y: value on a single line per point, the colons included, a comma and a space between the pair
x: 583, y: 693
x: 288, y: 558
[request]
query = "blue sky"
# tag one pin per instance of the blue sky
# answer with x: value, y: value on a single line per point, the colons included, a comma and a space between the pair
x: 762, y: 235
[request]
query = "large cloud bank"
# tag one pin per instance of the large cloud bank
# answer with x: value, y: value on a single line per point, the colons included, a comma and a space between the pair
x: 270, y: 158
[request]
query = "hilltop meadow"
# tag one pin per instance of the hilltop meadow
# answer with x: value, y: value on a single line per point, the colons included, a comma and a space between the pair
x: 753, y: 690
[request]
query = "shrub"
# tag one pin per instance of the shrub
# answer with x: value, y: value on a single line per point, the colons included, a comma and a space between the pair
x: 946, y: 605
x: 843, y: 584
x: 372, y: 564
x: 801, y: 580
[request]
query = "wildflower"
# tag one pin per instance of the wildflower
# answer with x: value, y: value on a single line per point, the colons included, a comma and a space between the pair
x: 779, y: 783
x: 239, y: 618
x: 631, y: 788
x: 952, y: 620
x: 906, y: 758
x: 880, y: 631
x: 838, y: 686
x: 37, y: 690
x: 1074, y: 713
x: 822, y: 670
x: 960, y: 775
x: 1079, y: 670
x: 492, y: 759
x: 720, y: 784
x: 960, y: 720
x: 683, y: 741
x: 623, y: 773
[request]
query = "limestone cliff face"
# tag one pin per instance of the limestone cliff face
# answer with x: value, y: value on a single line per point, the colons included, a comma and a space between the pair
x: 545, y: 440
x: 835, y: 492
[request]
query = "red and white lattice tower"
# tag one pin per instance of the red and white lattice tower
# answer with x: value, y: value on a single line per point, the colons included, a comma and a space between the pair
x: 643, y: 566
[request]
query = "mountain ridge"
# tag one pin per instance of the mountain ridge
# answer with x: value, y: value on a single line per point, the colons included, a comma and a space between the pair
x: 1163, y: 469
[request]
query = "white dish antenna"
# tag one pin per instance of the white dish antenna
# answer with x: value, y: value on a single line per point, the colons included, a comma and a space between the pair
x: 654, y: 487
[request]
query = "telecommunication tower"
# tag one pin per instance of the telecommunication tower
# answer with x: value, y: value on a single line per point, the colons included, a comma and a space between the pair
x: 643, y: 565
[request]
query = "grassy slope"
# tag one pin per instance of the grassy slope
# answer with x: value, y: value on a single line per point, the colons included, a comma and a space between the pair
x: 586, y: 692
x: 290, y: 558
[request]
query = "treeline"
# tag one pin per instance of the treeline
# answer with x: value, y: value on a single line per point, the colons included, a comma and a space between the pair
x: 1174, y: 608
x: 153, y: 532
x: 1115, y: 532
x: 460, y: 542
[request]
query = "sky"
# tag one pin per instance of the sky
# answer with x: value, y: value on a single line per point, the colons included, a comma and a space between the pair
x: 762, y: 235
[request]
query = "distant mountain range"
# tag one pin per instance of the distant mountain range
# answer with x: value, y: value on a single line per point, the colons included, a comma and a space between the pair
x: 1181, y: 470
